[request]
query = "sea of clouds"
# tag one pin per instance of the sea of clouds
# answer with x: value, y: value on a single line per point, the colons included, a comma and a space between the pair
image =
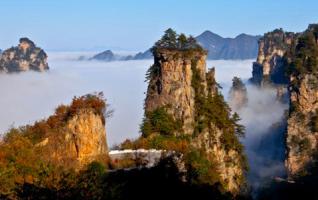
x: 31, y: 96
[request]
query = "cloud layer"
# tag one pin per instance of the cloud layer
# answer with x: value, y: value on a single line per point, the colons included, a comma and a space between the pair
x: 30, y: 96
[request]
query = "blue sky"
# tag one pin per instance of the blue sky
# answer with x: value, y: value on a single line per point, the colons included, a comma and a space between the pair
x: 137, y: 24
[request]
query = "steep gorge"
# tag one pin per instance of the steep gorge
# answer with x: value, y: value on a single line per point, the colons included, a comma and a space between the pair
x: 289, y: 60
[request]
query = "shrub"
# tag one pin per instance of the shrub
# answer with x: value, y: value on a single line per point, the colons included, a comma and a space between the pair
x: 159, y: 121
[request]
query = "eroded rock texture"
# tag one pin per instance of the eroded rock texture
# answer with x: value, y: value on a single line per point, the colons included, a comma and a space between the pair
x: 179, y: 81
x: 76, y: 134
x: 26, y: 56
x: 270, y: 64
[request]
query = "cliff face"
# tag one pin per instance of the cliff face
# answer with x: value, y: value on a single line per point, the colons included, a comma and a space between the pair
x: 172, y: 85
x: 82, y: 141
x: 26, y: 56
x: 293, y: 59
x: 270, y: 63
x: 77, y: 134
x: 179, y: 81
x: 302, y: 135
x: 74, y: 136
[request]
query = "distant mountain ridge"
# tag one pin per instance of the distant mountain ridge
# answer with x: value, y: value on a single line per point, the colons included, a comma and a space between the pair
x: 108, y: 56
x: 241, y: 47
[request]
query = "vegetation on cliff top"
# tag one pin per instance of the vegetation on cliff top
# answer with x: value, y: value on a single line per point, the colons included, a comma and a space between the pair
x: 304, y: 54
x: 173, y: 41
x: 22, y: 159
x: 181, y: 45
x: 211, y: 114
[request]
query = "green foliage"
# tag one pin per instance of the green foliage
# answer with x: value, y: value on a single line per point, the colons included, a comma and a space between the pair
x: 199, y: 98
x: 90, y: 180
x: 304, y: 55
x: 23, y: 161
x: 201, y: 170
x: 169, y: 142
x: 171, y: 40
x: 239, y: 129
x: 159, y: 121
x: 186, y: 46
x: 153, y: 71
x: 168, y: 40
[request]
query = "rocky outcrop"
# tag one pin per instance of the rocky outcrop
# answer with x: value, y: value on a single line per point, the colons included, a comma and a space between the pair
x: 172, y: 85
x: 76, y: 135
x: 302, y: 134
x: 179, y: 81
x: 290, y: 59
x: 270, y: 64
x: 84, y: 141
x: 238, y: 94
x: 26, y: 56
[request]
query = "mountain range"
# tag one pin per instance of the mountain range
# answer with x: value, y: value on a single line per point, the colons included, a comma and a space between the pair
x: 241, y: 47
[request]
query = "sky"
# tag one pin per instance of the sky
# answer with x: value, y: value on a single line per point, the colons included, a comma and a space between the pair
x: 75, y: 25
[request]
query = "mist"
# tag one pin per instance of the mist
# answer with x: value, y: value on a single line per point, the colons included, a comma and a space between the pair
x: 30, y: 96
x: 265, y: 122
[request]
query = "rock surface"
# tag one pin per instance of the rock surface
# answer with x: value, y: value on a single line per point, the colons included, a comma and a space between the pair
x: 78, y: 140
x: 287, y: 60
x: 270, y: 63
x: 302, y: 135
x: 171, y: 86
x: 26, y: 56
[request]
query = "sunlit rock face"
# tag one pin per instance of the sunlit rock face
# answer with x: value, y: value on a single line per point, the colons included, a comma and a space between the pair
x: 171, y: 85
x: 270, y: 63
x: 288, y: 60
x: 82, y: 141
x: 302, y: 135
x: 77, y: 139
x: 26, y: 56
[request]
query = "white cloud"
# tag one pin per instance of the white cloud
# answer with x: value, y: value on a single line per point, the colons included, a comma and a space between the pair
x: 31, y: 96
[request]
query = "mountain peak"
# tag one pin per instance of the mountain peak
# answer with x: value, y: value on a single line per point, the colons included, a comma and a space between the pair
x: 242, y: 46
x: 210, y: 34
